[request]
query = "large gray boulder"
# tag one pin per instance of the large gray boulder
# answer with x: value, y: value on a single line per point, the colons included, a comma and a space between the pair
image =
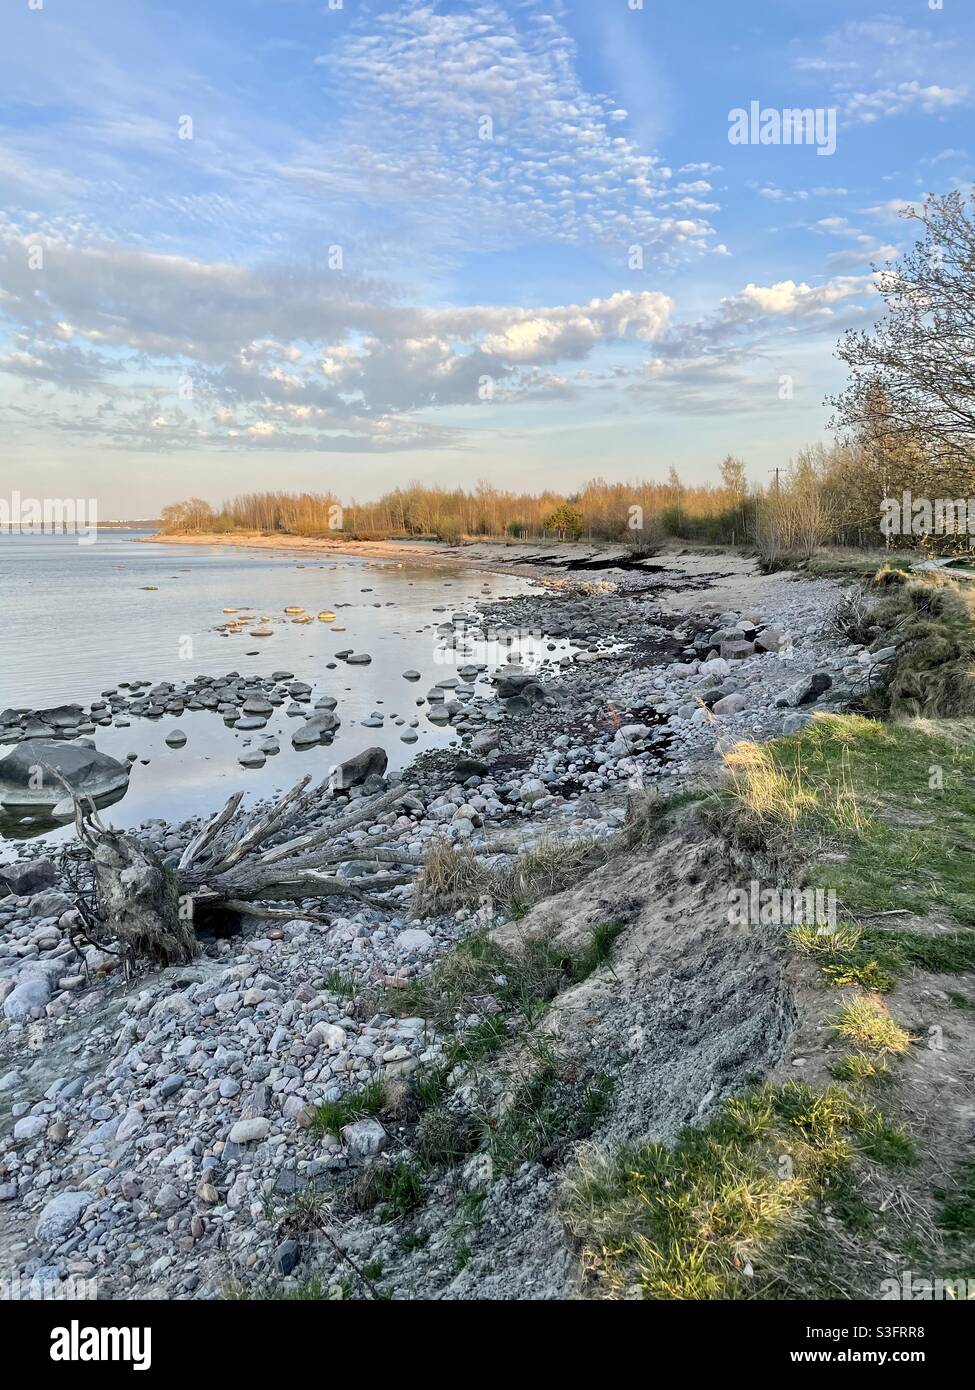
x: 61, y: 1215
x: 26, y: 876
x: 25, y: 780
x: 32, y: 992
x: 370, y: 763
x: 805, y: 691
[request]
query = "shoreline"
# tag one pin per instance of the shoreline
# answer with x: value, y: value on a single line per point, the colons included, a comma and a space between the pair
x: 544, y: 775
x: 421, y: 551
x: 534, y: 560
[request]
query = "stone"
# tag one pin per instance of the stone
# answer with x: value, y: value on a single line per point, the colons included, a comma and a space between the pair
x: 369, y: 763
x: 86, y: 771
x: 287, y: 1256
x: 414, y: 939
x: 250, y: 1131
x: 364, y: 1138
x: 770, y: 639
x: 132, y: 1123
x: 729, y: 704
x: 30, y: 1127
x: 736, y: 650
x: 805, y: 691
x: 795, y: 723
x: 61, y: 1215
x: 315, y: 728
x: 31, y: 993
x: 27, y: 876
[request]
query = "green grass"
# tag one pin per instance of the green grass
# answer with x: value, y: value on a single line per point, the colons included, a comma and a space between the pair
x: 933, y: 621
x: 549, y: 1112
x: 689, y: 1222
x: 813, y: 941
x: 333, y: 1115
x: 862, y: 1069
x: 876, y: 958
x: 468, y: 1216
x: 520, y: 982
x: 889, y: 807
x: 651, y: 814
x: 839, y: 563
x: 345, y: 986
x: 485, y: 1039
x: 309, y: 1291
x: 952, y: 953
x: 446, y: 1136
x: 397, y: 1188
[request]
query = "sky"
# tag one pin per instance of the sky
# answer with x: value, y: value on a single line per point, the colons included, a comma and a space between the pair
x: 348, y: 244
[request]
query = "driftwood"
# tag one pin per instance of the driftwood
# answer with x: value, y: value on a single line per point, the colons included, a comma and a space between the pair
x: 138, y: 896
x: 227, y: 867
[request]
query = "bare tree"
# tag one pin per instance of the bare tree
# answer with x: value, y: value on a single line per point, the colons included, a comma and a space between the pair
x: 920, y: 358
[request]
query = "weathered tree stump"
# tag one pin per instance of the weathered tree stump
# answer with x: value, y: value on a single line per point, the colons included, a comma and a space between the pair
x: 150, y: 908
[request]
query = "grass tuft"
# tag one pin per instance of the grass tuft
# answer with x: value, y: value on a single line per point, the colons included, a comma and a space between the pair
x: 333, y: 1115
x: 395, y: 1186
x: 454, y: 877
x: 866, y: 1022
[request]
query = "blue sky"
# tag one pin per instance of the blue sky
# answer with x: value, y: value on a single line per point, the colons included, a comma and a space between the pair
x: 347, y: 245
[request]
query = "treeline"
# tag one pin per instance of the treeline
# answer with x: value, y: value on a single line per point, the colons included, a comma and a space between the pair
x: 600, y: 510
x: 823, y: 496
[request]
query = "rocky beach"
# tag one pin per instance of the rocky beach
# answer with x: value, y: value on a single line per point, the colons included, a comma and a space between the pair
x: 156, y: 1125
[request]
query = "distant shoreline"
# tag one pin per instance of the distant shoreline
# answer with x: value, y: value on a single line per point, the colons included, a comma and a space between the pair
x: 258, y: 540
x: 509, y: 557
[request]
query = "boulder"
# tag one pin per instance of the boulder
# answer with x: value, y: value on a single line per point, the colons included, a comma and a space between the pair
x: 24, y: 781
x: 62, y: 716
x: 250, y: 1131
x: 27, y: 876
x: 61, y: 1215
x: 364, y: 1138
x: 369, y: 763
x: 729, y: 704
x: 795, y: 723
x: 770, y: 639
x: 315, y: 729
x: 805, y: 691
x: 34, y: 992
x: 511, y: 682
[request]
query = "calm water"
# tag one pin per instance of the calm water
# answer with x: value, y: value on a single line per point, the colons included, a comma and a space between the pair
x: 77, y: 620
